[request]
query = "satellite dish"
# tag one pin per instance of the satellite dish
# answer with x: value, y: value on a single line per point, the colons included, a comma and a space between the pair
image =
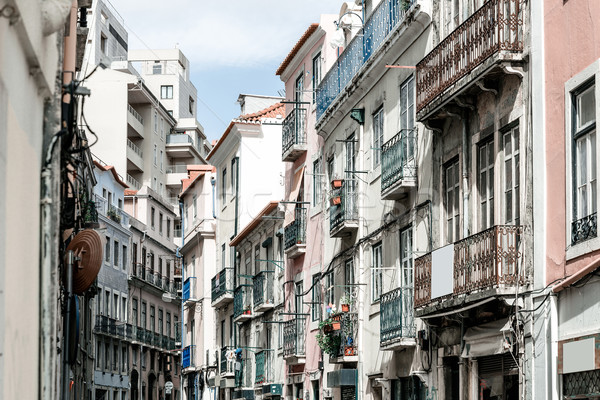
x: 88, y: 247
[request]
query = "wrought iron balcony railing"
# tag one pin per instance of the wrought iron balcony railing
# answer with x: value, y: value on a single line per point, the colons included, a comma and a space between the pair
x: 187, y: 358
x: 295, y: 233
x: 347, y: 209
x: 110, y: 326
x: 262, y: 360
x: 227, y: 362
x: 488, y: 259
x: 397, y: 319
x: 584, y: 228
x: 294, y: 337
x: 153, y: 278
x: 108, y: 210
x: 398, y: 159
x: 293, y: 131
x: 262, y: 289
x: 496, y: 26
x: 221, y: 284
x: 242, y: 301
x: 383, y: 21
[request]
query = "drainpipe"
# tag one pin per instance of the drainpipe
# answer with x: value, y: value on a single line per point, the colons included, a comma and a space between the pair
x: 361, y: 256
x: 180, y: 256
x: 465, y: 176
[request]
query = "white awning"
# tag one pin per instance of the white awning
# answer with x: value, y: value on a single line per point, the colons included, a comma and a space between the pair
x: 289, y: 207
x: 488, y: 339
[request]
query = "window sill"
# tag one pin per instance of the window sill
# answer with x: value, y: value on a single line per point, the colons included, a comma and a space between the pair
x: 374, y: 174
x: 374, y: 308
x: 315, y: 210
x: 582, y: 248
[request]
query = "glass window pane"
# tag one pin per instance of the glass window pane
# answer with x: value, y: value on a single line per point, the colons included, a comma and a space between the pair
x: 586, y: 107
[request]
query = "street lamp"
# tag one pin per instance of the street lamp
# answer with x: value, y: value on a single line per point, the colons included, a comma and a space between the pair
x: 339, y: 36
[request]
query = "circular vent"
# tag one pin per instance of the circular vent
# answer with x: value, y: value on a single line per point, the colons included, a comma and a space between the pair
x: 87, y: 246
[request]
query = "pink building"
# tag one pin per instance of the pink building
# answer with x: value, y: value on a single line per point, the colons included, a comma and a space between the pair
x: 301, y: 71
x: 572, y: 247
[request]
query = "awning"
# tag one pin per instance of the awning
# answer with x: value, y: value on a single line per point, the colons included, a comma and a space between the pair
x: 488, y: 339
x: 289, y: 207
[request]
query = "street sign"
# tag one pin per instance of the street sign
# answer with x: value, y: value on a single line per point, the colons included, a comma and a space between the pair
x: 168, y: 387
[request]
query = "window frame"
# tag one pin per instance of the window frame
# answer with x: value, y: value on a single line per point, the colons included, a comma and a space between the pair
x: 376, y: 272
x: 165, y: 93
x: 455, y: 218
x: 378, y: 119
x: 575, y: 85
x: 317, y: 74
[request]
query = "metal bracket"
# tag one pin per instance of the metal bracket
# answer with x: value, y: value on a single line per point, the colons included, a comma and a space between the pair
x: 481, y: 86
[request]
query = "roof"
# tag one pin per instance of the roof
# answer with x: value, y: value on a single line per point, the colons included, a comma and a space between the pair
x: 130, y: 192
x: 311, y: 29
x: 254, y: 223
x: 277, y: 109
x: 112, y: 169
x: 194, y: 173
x: 270, y: 112
x: 576, y: 277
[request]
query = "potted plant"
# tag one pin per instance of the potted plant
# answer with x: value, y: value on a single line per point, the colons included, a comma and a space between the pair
x: 336, y: 200
x: 345, y: 302
x: 337, y: 183
x: 329, y: 343
x: 113, y: 214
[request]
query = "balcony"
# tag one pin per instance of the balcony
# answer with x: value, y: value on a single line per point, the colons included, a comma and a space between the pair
x: 343, y: 211
x: 243, y: 377
x: 293, y: 135
x: 294, y: 341
x: 227, y: 362
x: 295, y: 235
x: 133, y: 183
x: 175, y: 174
x: 181, y: 145
x: 108, y: 210
x: 397, y: 319
x: 492, y: 35
x: 484, y: 265
x: 384, y: 20
x: 261, y: 358
x: 153, y: 278
x: 262, y: 291
x: 242, y: 303
x: 135, y: 122
x: 187, y: 357
x: 221, y: 286
x: 124, y: 331
x: 135, y: 157
x: 189, y: 290
x: 347, y: 350
x: 398, y: 165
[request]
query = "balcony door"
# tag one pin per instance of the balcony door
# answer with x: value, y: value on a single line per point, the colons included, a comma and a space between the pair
x: 350, y: 184
x: 407, y: 280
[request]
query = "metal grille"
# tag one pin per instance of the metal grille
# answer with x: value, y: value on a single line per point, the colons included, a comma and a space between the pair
x: 501, y: 363
x: 397, y: 318
x: 584, y: 228
x: 586, y: 384
x: 293, y: 129
x: 398, y: 158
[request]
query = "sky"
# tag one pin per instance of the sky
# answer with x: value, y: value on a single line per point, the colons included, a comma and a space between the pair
x: 234, y: 46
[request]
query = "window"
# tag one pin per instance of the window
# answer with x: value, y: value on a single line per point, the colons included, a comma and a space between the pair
x: 224, y: 186
x: 115, y: 358
x: 152, y: 318
x: 195, y: 205
x: 191, y: 105
x: 584, y: 203
x: 134, y: 312
x: 168, y: 268
x: 223, y: 256
x: 115, y: 306
x: 134, y: 355
x: 98, y: 355
x: 168, y: 332
x: 166, y: 92
x: 316, y: 78
x: 116, y: 254
x: 316, y: 298
x: 349, y: 276
x: 485, y: 183
x: 317, y: 182
x: 233, y: 176
x: 160, y: 264
x: 160, y: 223
x: 107, y: 303
x: 107, y: 356
x: 161, y: 161
x: 377, y: 136
x: 107, y: 250
x: 155, y: 127
x: 299, y: 301
x: 299, y: 88
x: 162, y: 133
x: 256, y: 258
x: 160, y: 321
x: 407, y: 119
x: 155, y: 158
x: 124, y: 256
x: 406, y: 279
x: 152, y: 215
x: 103, y: 43
x: 168, y: 227
x: 143, y: 317
x: 512, y: 170
x: 99, y: 301
x: 124, y: 359
x: 157, y: 68
x: 329, y: 288
x: 123, y: 308
x: 452, y: 202
x: 377, y: 273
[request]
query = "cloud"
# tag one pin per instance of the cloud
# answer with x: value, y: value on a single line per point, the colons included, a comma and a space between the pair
x: 232, y: 33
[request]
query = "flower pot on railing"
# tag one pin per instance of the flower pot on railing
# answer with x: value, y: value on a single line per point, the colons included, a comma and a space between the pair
x: 345, y: 307
x: 337, y: 183
x: 336, y: 200
x: 336, y: 326
x: 349, y: 351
